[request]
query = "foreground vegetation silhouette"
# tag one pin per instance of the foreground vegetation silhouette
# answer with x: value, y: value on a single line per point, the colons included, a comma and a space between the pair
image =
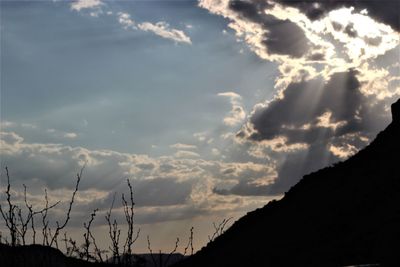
x: 41, y: 247
x: 16, y: 250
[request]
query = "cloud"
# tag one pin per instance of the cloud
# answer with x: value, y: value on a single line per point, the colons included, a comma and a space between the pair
x: 264, y: 33
x: 7, y: 124
x: 70, y: 135
x: 186, y: 154
x: 86, y: 4
x: 330, y: 95
x: 183, y: 146
x: 163, y: 30
x: 313, y: 109
x: 343, y: 151
x: 125, y: 20
x: 385, y: 11
x: 245, y: 179
x: 237, y: 114
x: 183, y: 179
x: 232, y: 95
x: 277, y: 32
x: 215, y: 152
x: 314, y: 124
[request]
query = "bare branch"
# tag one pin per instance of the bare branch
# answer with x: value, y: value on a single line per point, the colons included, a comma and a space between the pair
x: 113, y: 232
x: 10, y: 218
x: 87, y: 235
x: 129, y: 215
x: 62, y: 226
x: 219, y: 229
x: 190, y: 243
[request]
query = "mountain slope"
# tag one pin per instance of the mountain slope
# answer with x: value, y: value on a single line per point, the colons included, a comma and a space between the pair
x: 341, y: 215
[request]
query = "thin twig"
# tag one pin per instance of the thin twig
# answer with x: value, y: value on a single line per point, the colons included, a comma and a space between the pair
x: 62, y: 226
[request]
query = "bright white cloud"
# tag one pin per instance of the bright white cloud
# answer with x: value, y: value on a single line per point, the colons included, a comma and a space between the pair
x: 86, y: 4
x: 237, y: 114
x: 163, y: 30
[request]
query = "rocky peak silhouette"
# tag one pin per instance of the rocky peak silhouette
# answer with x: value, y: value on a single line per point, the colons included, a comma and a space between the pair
x: 396, y: 112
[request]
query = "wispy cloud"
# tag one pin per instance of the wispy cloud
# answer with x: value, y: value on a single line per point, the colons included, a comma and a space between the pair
x: 164, y: 30
x: 70, y: 135
x: 161, y: 28
x: 183, y: 146
x: 125, y: 20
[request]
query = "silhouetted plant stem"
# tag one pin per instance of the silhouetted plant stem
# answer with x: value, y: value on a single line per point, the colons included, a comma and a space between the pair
x: 96, y: 248
x: 129, y: 214
x: 45, y: 222
x: 62, y: 226
x: 190, y: 243
x: 113, y: 232
x: 10, y: 216
x: 219, y: 229
x: 86, y: 235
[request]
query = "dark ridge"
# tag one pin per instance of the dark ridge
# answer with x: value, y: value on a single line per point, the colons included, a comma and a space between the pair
x: 396, y: 112
x: 39, y: 256
x: 45, y: 256
x: 347, y: 214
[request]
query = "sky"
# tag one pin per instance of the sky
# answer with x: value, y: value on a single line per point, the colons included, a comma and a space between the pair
x: 211, y: 108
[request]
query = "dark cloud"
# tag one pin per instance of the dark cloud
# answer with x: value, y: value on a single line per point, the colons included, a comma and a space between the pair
x: 252, y: 10
x: 386, y: 11
x: 162, y: 192
x: 300, y: 116
x: 317, y: 57
x: 373, y: 41
x: 283, y: 36
x: 304, y: 102
x: 286, y: 38
x: 245, y: 188
x: 350, y: 31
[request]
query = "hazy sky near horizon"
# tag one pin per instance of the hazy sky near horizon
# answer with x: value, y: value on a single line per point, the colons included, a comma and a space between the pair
x: 212, y: 107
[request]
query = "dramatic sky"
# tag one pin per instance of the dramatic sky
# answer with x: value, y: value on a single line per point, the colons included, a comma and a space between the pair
x: 211, y: 108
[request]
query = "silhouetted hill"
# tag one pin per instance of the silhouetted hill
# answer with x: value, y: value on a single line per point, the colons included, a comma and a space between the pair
x: 162, y: 259
x: 45, y: 256
x: 341, y: 215
x: 39, y: 256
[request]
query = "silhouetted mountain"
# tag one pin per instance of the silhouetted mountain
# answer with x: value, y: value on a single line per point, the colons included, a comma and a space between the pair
x: 341, y: 215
